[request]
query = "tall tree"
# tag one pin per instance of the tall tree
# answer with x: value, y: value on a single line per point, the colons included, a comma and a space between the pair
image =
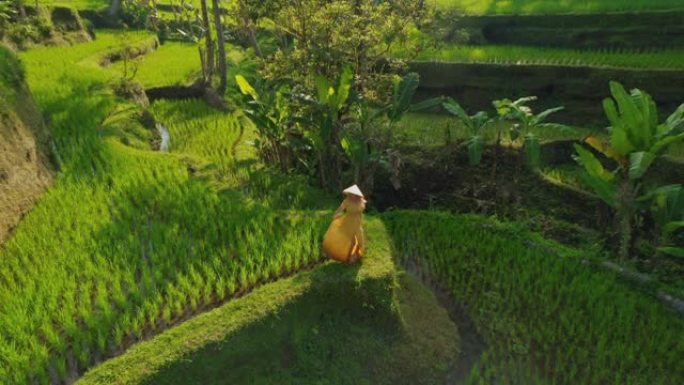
x: 220, y: 39
x: 209, y: 55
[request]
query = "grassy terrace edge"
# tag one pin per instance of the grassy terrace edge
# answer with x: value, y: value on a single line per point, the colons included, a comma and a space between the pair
x: 371, y: 284
x: 662, y: 60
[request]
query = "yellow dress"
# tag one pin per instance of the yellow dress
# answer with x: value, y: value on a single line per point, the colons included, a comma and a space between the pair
x: 344, y: 241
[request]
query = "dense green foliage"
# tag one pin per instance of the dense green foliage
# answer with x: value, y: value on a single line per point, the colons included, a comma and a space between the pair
x: 546, y: 318
x: 11, y: 72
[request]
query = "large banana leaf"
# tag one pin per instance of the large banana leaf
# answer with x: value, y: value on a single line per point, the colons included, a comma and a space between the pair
x: 480, y: 120
x: 674, y: 123
x: 245, y: 87
x: 618, y: 135
x: 663, y: 143
x: 475, y: 149
x: 673, y: 251
x: 404, y: 89
x: 639, y: 162
x: 343, y: 88
x: 532, y: 150
x: 539, y: 118
x: 323, y: 89
x: 455, y: 109
x: 425, y: 104
x: 632, y: 119
x: 604, y: 148
x: 601, y: 180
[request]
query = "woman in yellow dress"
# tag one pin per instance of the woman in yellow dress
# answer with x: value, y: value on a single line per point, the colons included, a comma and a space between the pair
x: 344, y: 241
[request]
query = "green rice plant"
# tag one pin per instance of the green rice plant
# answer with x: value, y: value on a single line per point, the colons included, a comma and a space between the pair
x: 127, y: 236
x: 546, y: 318
x: 173, y: 63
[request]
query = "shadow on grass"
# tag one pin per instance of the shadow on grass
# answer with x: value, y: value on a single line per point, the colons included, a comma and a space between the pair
x: 326, y: 336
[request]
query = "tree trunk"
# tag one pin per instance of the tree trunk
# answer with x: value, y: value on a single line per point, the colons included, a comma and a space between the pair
x: 223, y: 76
x: 114, y: 8
x: 626, y: 212
x: 255, y: 43
x: 248, y: 27
x: 209, y: 51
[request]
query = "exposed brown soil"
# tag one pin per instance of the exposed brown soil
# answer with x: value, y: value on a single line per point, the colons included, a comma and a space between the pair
x: 25, y: 166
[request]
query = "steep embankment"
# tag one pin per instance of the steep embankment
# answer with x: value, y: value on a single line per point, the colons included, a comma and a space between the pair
x: 25, y: 169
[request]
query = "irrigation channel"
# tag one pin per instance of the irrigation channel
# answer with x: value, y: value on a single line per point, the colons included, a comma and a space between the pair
x: 165, y: 137
x: 472, y: 345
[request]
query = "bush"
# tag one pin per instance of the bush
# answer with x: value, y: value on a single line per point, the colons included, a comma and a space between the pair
x: 11, y: 69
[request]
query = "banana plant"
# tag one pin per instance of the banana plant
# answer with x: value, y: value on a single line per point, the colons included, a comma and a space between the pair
x: 331, y: 100
x: 635, y: 141
x: 270, y: 113
x: 475, y: 124
x: 404, y: 89
x: 522, y: 132
x: 366, y: 143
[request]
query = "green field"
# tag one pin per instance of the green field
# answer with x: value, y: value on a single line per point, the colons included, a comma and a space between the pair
x: 546, y: 318
x: 124, y: 241
x: 78, y: 4
x: 498, y: 7
x: 176, y: 63
x: 201, y: 263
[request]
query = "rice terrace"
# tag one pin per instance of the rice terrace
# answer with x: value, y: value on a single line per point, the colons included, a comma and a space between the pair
x: 333, y: 192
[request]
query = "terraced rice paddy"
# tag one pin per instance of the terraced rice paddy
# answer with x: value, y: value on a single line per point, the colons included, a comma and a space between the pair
x: 545, y: 317
x: 129, y: 241
x: 667, y: 59
x: 497, y: 7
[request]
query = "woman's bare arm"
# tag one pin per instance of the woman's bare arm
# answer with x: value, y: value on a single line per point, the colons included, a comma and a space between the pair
x: 340, y: 210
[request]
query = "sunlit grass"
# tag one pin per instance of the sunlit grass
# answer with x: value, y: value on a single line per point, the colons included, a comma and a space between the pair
x: 173, y: 63
x: 78, y: 4
x: 128, y: 241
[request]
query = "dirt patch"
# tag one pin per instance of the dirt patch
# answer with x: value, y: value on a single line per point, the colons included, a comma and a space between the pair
x: 197, y: 90
x: 442, y: 178
x: 25, y: 166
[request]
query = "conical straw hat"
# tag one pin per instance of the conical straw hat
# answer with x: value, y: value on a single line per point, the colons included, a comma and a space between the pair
x: 353, y: 190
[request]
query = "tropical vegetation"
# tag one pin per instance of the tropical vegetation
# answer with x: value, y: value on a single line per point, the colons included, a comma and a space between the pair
x: 200, y: 149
